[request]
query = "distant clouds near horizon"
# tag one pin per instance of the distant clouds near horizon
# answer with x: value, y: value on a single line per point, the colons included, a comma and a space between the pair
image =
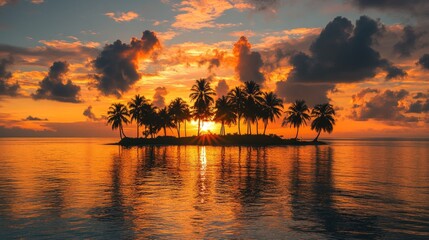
x: 369, y: 58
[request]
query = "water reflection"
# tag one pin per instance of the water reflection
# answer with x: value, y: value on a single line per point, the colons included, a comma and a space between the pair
x: 212, y: 192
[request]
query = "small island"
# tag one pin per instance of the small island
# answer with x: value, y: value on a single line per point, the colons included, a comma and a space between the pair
x: 218, y: 140
x: 246, y: 102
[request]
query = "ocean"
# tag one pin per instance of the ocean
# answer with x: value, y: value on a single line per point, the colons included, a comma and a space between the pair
x: 83, y: 188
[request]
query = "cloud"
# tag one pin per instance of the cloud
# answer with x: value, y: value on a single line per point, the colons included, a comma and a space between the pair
x: 37, y: 1
x: 383, y: 106
x: 407, y: 44
x: 54, y: 50
x: 415, y: 7
x: 222, y: 88
x: 419, y: 106
x: 90, y: 115
x: 52, y: 87
x: 197, y: 14
x: 264, y: 5
x: 424, y: 61
x: 213, y: 58
x: 117, y: 64
x: 249, y: 63
x: 31, y: 118
x: 5, y: 87
x: 159, y: 97
x: 122, y: 16
x: 312, y: 93
x: 342, y: 53
x: 5, y: 2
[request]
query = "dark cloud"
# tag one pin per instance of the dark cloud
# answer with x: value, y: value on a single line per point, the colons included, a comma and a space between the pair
x: 45, y: 55
x: 249, y: 63
x: 117, y: 64
x: 424, y: 61
x: 312, y: 93
x: 407, y: 44
x: 213, y: 58
x: 159, y: 97
x: 6, y: 2
x: 31, y: 118
x: 419, y: 106
x: 420, y: 95
x: 5, y: 87
x: 417, y: 7
x: 342, y: 53
x: 90, y: 115
x: 222, y: 88
x: 262, y: 5
x: 56, y: 87
x: 385, y: 106
x: 75, y: 129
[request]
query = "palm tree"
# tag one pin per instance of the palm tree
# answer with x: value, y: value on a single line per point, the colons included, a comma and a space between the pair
x: 224, y: 113
x: 271, y: 110
x: 136, y: 106
x: 149, y: 118
x: 236, y: 99
x: 187, y: 116
x: 165, y: 120
x: 177, y: 110
x: 117, y: 115
x: 323, y: 119
x: 297, y: 115
x: 201, y: 95
x: 253, y: 98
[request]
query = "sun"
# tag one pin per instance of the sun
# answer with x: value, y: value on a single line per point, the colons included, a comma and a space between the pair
x: 206, y: 126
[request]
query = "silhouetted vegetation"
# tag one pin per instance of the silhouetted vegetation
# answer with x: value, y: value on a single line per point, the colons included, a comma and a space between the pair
x: 246, y: 102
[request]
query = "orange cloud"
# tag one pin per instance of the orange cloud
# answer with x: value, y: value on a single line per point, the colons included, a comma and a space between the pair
x: 122, y: 16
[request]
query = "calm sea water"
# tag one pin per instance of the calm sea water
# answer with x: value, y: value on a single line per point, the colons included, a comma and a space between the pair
x: 80, y: 188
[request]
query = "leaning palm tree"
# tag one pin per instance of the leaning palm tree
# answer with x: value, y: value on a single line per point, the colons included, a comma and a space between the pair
x: 236, y: 99
x: 224, y: 113
x: 202, y: 96
x: 297, y: 115
x: 272, y: 108
x: 253, y: 99
x: 177, y: 110
x: 323, y: 119
x: 117, y: 116
x: 165, y: 120
x: 136, y: 106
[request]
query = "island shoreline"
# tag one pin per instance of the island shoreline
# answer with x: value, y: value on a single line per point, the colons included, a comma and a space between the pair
x: 216, y: 140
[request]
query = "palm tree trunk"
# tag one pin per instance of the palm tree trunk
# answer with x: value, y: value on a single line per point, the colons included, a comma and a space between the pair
x: 178, y: 129
x: 238, y: 123
x: 297, y: 130
x: 185, y: 128
x: 257, y: 127
x: 137, y: 129
x: 165, y: 131
x: 265, y: 125
x: 199, y: 121
x: 317, y: 137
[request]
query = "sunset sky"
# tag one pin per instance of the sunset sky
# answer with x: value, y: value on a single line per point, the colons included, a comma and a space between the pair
x: 62, y: 63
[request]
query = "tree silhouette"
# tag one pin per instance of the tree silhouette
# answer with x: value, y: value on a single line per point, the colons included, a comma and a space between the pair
x: 150, y: 119
x: 165, y: 120
x: 253, y: 98
x: 236, y: 99
x: 224, y: 113
x: 323, y: 119
x: 117, y: 115
x: 136, y: 106
x: 201, y: 95
x: 178, y: 110
x: 271, y: 108
x: 297, y: 115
